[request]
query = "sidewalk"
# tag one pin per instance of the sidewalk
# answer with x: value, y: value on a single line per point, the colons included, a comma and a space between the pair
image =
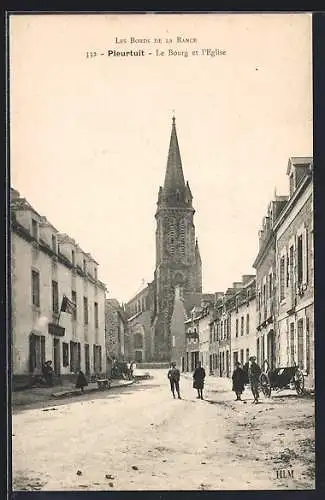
x: 42, y: 394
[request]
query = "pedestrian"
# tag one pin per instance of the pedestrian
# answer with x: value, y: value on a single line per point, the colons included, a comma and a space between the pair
x: 238, y: 381
x: 254, y: 372
x: 174, y: 377
x: 48, y: 373
x: 132, y: 368
x: 81, y: 381
x: 198, y: 380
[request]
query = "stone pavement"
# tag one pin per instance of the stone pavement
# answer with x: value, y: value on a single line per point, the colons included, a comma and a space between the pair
x: 42, y: 394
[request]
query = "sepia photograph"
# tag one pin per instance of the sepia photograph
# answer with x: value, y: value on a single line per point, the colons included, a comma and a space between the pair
x: 161, y: 251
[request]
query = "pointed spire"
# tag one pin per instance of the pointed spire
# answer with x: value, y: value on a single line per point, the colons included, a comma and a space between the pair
x: 174, y: 178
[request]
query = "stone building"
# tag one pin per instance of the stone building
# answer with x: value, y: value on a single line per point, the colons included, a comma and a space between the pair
x: 295, y: 272
x: 139, y: 312
x: 221, y: 328
x: 178, y: 261
x: 116, y: 331
x: 266, y: 277
x: 192, y: 346
x: 49, y: 269
x: 243, y: 322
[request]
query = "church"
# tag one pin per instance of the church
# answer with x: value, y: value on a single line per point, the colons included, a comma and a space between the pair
x: 156, y: 314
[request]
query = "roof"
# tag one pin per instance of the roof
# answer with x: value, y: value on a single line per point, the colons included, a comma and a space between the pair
x: 174, y: 177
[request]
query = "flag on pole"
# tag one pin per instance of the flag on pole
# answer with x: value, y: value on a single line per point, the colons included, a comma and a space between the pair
x: 67, y: 305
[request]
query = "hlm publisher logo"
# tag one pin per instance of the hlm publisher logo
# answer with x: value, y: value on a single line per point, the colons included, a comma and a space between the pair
x: 284, y: 474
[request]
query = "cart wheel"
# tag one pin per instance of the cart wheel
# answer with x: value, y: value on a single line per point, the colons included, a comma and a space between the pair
x: 299, y: 381
x: 265, y: 385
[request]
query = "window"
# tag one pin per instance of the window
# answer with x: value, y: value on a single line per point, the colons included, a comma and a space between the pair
x: 65, y: 354
x: 84, y: 266
x: 74, y: 300
x: 242, y: 325
x: 53, y: 243
x: 247, y: 355
x: 291, y: 257
x: 299, y: 259
x: 282, y: 270
x: 235, y: 358
x: 34, y: 229
x: 55, y: 297
x: 95, y: 272
x: 96, y: 314
x: 85, y: 311
x: 73, y: 257
x: 247, y: 324
x: 242, y: 356
x: 237, y: 325
x: 35, y: 288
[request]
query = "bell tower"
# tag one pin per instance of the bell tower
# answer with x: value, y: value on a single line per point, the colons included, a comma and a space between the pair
x: 178, y: 262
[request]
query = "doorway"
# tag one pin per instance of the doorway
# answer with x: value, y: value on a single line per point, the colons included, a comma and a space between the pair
x: 56, y: 357
x: 271, y: 349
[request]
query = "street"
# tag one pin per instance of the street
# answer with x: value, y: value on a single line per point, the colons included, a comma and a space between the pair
x: 140, y: 438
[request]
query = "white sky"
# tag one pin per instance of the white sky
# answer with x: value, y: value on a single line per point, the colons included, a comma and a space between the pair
x: 89, y: 138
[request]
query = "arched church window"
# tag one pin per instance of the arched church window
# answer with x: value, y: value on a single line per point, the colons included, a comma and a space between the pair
x: 138, y: 341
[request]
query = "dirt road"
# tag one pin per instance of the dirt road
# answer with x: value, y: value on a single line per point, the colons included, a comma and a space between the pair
x: 143, y: 439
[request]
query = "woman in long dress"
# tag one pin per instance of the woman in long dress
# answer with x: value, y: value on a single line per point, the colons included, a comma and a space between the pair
x: 198, y: 380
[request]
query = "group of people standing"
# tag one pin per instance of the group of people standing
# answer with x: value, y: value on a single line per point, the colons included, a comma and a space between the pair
x: 174, y: 376
x: 249, y: 373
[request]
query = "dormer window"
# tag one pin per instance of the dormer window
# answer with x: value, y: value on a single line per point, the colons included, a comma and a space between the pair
x: 84, y: 266
x: 73, y: 257
x: 95, y: 273
x: 34, y: 229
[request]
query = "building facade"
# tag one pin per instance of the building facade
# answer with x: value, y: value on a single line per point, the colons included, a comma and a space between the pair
x: 192, y: 343
x: 295, y: 272
x: 243, y: 322
x: 266, y: 278
x: 139, y: 312
x: 47, y: 266
x: 116, y: 332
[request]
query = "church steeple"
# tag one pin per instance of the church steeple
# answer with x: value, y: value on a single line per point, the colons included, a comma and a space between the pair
x: 174, y: 178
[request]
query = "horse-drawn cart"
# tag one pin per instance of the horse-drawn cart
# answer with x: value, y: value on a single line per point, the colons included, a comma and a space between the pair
x: 278, y: 379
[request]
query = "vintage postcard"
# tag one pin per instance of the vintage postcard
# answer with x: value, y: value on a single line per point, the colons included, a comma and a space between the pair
x: 162, y: 251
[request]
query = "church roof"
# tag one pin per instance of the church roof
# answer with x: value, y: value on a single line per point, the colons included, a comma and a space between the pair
x: 174, y: 177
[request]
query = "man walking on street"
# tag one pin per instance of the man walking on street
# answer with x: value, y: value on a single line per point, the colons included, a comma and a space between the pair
x: 174, y: 376
x: 254, y: 372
